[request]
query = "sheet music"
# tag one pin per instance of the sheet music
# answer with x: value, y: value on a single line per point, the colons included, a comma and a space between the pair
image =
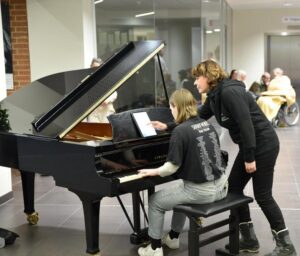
x: 143, y: 123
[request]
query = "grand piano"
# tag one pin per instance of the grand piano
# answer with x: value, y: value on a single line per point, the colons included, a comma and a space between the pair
x: 44, y: 130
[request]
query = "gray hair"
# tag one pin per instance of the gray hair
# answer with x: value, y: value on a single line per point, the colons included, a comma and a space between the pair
x: 241, y: 75
x: 277, y: 72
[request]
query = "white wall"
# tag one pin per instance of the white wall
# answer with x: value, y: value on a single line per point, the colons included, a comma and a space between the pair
x: 249, y: 30
x: 5, y: 173
x: 61, y: 35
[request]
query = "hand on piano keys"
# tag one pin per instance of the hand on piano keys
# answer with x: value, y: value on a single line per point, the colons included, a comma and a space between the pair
x: 140, y: 174
x: 148, y: 172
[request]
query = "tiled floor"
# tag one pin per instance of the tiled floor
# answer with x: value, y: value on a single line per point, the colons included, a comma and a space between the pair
x: 60, y: 231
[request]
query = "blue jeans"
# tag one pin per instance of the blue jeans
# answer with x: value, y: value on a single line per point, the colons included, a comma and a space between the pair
x: 184, y: 192
x: 262, y: 180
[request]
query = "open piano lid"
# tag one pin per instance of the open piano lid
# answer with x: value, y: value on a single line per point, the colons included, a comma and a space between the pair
x: 95, y: 88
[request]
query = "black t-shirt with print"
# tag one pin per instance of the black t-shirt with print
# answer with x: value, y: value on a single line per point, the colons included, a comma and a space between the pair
x: 195, y: 148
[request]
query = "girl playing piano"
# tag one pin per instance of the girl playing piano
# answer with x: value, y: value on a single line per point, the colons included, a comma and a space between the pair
x: 195, y: 157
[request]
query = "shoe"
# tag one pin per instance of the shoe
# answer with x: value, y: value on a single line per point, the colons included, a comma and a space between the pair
x: 248, y: 240
x: 148, y: 251
x: 171, y: 243
x: 284, y: 245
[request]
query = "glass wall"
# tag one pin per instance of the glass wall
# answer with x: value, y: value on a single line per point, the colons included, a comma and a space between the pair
x: 193, y: 30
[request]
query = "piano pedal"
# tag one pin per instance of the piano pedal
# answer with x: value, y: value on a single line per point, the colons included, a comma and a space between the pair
x: 33, y: 218
x: 140, y: 237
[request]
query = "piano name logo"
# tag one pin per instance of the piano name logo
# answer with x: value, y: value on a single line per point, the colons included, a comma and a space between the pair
x: 160, y: 157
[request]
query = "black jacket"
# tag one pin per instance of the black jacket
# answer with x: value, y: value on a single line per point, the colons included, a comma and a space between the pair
x: 236, y: 110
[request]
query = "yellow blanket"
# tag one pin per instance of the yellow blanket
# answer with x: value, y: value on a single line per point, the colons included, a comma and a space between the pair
x: 279, y: 91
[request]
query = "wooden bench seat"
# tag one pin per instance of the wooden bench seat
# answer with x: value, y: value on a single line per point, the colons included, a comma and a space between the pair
x: 196, y: 211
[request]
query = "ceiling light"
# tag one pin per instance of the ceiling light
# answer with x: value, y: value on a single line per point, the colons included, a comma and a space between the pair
x: 98, y: 1
x: 209, y: 32
x: 217, y: 30
x: 144, y: 14
x: 284, y: 33
x: 287, y: 4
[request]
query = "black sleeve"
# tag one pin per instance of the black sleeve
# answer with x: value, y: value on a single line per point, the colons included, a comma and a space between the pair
x: 176, y: 149
x: 205, y: 111
x: 171, y: 126
x: 236, y: 103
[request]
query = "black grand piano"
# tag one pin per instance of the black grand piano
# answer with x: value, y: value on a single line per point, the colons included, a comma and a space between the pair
x: 45, y: 132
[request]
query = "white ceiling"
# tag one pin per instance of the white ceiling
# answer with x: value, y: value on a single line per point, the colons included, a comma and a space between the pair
x: 262, y: 4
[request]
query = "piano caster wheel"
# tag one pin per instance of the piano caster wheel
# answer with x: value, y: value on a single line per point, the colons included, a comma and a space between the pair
x: 199, y: 221
x: 33, y: 218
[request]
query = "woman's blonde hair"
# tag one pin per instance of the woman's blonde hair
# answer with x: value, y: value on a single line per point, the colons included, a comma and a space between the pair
x: 211, y: 70
x: 185, y: 103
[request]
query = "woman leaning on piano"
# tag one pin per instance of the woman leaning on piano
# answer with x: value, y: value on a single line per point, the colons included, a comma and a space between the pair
x: 235, y: 109
x: 195, y: 157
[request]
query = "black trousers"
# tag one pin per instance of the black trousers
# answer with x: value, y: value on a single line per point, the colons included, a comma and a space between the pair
x: 262, y: 181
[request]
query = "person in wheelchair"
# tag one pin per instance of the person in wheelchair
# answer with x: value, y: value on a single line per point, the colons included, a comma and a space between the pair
x: 258, y: 87
x: 279, y: 96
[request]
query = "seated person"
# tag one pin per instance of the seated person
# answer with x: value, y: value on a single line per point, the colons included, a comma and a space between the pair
x: 195, y: 158
x: 100, y: 114
x: 233, y: 74
x: 258, y: 87
x: 242, y: 76
x: 279, y: 91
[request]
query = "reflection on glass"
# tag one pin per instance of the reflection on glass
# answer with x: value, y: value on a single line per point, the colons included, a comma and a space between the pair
x: 192, y: 30
x: 141, y: 90
x: 212, y: 29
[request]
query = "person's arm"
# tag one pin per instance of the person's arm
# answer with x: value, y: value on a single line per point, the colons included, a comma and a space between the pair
x: 157, y: 125
x: 236, y: 103
x: 174, y: 158
x: 205, y: 111
x: 165, y: 170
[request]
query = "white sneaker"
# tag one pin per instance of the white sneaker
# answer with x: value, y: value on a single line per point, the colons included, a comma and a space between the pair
x: 171, y: 243
x: 148, y: 251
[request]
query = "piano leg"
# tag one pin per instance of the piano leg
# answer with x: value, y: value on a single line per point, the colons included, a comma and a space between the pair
x: 91, y: 210
x: 139, y: 235
x: 28, y: 196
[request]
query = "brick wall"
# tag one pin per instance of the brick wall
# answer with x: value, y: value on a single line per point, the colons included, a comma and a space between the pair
x: 20, y: 44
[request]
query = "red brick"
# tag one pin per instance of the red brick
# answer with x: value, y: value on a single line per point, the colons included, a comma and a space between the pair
x: 20, y: 44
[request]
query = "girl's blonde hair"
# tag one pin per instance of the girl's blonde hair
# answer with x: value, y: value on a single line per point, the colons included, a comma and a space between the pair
x: 211, y: 70
x: 185, y: 103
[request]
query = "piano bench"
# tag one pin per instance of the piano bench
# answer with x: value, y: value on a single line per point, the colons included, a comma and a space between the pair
x: 197, y: 211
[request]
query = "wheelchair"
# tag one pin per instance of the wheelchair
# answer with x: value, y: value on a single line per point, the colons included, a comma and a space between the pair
x: 287, y: 115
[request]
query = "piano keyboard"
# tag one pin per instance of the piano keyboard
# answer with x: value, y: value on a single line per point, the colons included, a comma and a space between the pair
x: 130, y: 178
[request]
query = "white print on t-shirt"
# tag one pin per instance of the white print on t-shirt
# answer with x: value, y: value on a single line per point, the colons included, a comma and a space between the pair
x: 200, y: 125
x: 206, y: 163
x: 217, y: 150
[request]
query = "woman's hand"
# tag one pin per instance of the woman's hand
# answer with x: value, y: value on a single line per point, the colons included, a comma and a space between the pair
x: 148, y: 172
x: 250, y: 167
x: 159, y: 125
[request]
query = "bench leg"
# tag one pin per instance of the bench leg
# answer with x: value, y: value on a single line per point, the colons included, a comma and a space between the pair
x: 193, y: 238
x: 233, y: 236
x: 234, y: 232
